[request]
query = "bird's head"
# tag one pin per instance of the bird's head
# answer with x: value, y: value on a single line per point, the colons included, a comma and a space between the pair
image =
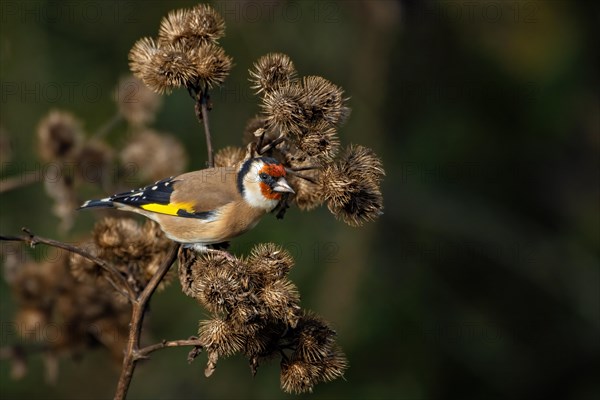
x: 262, y: 183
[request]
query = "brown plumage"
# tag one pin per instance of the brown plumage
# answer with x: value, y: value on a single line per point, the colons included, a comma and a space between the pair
x: 209, y: 206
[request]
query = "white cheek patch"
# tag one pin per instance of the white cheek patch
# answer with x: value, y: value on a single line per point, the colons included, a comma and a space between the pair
x: 255, y: 198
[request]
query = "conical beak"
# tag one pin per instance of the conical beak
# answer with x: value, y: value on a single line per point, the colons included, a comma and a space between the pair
x: 282, y: 186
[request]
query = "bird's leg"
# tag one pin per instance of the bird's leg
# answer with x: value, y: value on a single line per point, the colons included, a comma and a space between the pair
x: 203, y: 248
x: 223, y: 253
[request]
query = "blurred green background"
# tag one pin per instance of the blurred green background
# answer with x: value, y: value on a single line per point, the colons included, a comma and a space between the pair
x: 482, y: 278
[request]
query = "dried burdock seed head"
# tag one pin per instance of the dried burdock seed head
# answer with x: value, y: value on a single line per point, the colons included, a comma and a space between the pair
x: 272, y: 71
x: 298, y: 376
x: 59, y: 136
x: 153, y: 155
x: 211, y: 65
x: 114, y: 235
x: 218, y: 335
x: 161, y: 68
x: 82, y: 269
x: 174, y: 28
x: 365, y: 204
x: 215, y: 283
x: 333, y: 365
x: 270, y: 261
x: 135, y: 250
x: 283, y: 109
x: 351, y: 186
x: 315, y: 338
x: 141, y: 59
x: 205, y: 24
x: 31, y: 323
x: 323, y: 101
x: 319, y: 140
x: 137, y: 104
x: 229, y: 156
x: 361, y: 161
x: 281, y: 300
x: 308, y: 195
x: 94, y: 161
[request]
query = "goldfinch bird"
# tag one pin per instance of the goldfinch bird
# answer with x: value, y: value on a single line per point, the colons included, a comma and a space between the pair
x: 209, y: 206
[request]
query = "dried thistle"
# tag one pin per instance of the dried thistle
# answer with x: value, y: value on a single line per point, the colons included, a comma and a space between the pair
x: 229, y: 156
x: 298, y: 376
x: 255, y: 310
x: 174, y: 28
x: 281, y: 300
x: 308, y: 195
x: 315, y: 338
x: 205, y: 24
x: 154, y: 155
x: 87, y: 314
x: 271, y: 72
x: 319, y: 140
x: 161, y: 68
x: 60, y: 136
x: 270, y: 261
x: 135, y: 250
x: 136, y: 103
x: 323, y: 100
x: 220, y: 336
x: 351, y: 186
x: 283, y: 109
x: 211, y: 65
x: 94, y: 162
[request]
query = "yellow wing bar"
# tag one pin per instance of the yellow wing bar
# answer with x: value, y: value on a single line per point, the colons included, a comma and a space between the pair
x: 169, y: 209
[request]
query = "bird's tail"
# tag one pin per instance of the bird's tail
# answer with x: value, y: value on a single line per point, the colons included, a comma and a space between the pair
x: 104, y: 203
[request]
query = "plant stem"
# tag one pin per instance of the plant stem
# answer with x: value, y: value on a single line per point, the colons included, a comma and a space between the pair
x: 143, y: 352
x: 15, y: 182
x: 202, y: 109
x: 139, y: 307
x: 113, y: 276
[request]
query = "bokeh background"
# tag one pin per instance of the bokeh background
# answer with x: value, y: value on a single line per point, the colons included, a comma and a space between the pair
x: 481, y: 280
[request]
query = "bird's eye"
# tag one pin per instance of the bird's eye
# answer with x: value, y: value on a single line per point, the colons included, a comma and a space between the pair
x: 263, y: 176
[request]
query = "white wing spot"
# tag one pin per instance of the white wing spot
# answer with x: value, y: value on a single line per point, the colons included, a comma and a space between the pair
x: 154, y: 187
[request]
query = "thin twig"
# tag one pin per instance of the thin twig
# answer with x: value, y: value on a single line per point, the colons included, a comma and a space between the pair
x: 306, y: 168
x: 108, y: 126
x: 15, y: 182
x: 135, y: 326
x: 113, y: 276
x: 271, y: 145
x: 145, y: 351
x: 301, y: 176
x: 201, y: 108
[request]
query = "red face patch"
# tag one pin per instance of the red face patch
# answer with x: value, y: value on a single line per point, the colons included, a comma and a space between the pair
x: 268, y: 192
x: 275, y: 170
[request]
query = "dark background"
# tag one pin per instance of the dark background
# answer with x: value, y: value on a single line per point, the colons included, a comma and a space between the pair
x: 480, y: 281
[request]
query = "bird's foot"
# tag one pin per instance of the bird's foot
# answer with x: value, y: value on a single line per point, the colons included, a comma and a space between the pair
x: 223, y: 253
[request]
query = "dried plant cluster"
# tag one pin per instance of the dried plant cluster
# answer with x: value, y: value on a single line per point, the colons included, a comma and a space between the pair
x: 298, y: 126
x: 135, y: 250
x: 255, y: 310
x: 73, y: 158
x: 109, y: 279
x: 61, y: 315
x: 186, y: 53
